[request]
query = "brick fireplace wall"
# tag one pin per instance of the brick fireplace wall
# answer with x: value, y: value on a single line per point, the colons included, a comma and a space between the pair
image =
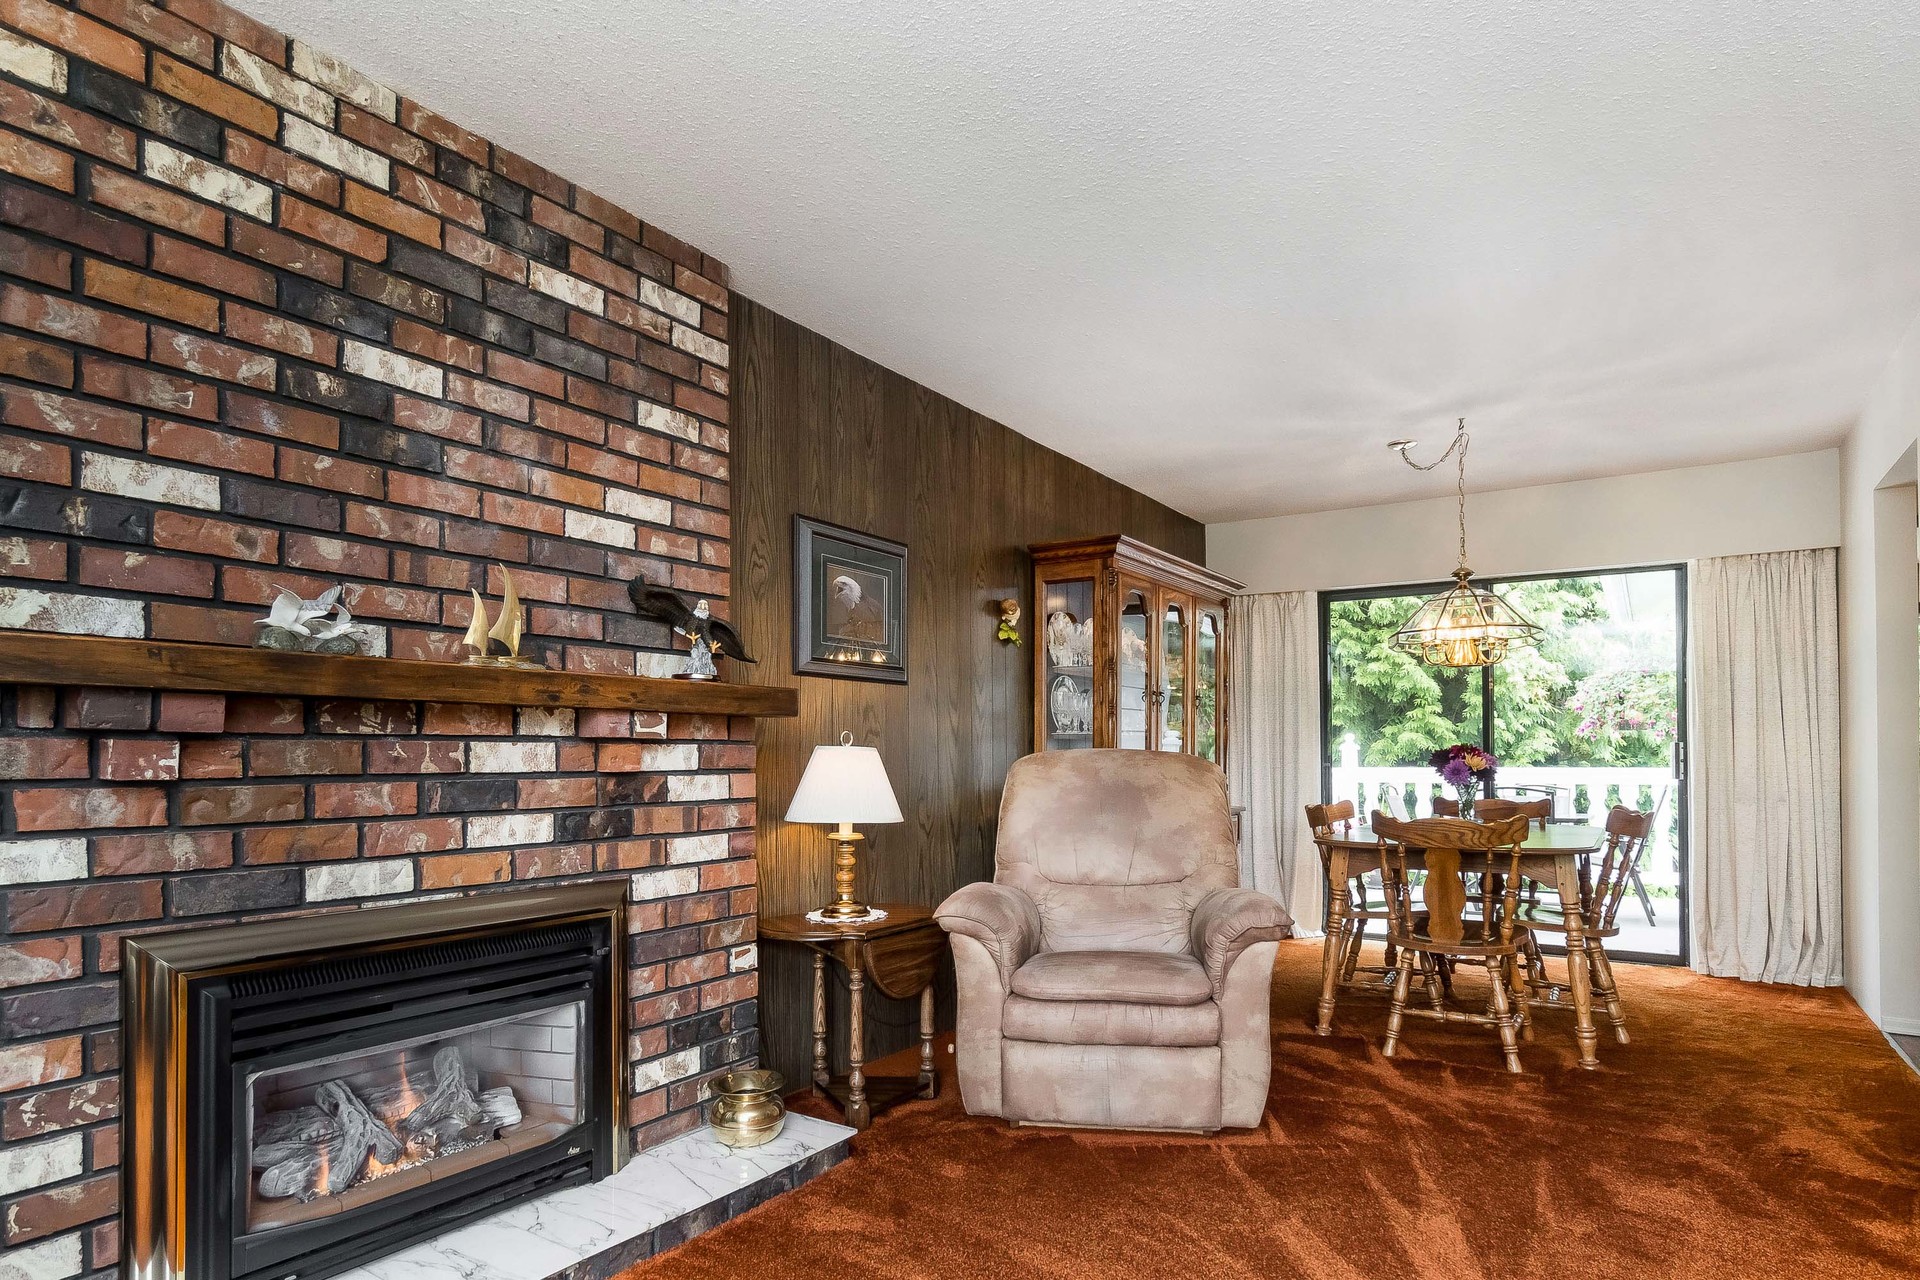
x: 264, y: 322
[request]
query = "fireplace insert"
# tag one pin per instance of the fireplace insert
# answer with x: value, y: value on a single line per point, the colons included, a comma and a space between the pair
x: 308, y: 1094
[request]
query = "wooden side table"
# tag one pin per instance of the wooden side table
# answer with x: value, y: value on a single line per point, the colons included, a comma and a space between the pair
x: 900, y: 956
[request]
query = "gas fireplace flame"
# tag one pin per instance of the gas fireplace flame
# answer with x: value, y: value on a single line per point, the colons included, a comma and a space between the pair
x: 409, y: 1100
x: 406, y: 1102
x: 357, y: 1128
x: 378, y: 1168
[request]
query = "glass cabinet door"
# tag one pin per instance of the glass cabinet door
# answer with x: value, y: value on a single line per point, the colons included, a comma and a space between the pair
x: 1173, y: 677
x: 1136, y: 613
x: 1128, y: 649
x: 1066, y: 680
x: 1206, y: 687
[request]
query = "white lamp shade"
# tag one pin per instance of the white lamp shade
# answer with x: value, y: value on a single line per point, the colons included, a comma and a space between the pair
x: 844, y: 784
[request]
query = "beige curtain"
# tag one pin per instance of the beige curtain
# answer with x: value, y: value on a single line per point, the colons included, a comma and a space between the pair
x: 1764, y: 685
x: 1273, y: 746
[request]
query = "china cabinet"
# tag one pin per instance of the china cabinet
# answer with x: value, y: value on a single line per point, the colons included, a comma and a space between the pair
x: 1129, y: 649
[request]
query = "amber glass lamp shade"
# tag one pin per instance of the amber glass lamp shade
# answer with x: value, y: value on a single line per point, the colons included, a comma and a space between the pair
x: 1464, y: 627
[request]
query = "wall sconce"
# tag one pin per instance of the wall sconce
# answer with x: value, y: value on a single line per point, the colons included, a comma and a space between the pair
x: 1009, y: 631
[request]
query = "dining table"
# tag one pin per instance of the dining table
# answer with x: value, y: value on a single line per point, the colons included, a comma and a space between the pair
x: 1553, y: 855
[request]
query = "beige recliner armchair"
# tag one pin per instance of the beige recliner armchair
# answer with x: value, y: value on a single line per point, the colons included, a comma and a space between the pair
x: 1112, y: 975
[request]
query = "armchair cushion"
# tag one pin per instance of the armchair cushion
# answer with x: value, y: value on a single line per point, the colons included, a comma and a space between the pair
x: 1128, y: 977
x: 1228, y: 921
x: 1000, y: 917
x: 1115, y: 847
x: 1110, y: 1022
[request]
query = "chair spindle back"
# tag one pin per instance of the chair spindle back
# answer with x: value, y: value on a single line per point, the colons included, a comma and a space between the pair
x: 1495, y: 808
x: 1455, y: 849
x: 1627, y: 834
x: 1323, y: 818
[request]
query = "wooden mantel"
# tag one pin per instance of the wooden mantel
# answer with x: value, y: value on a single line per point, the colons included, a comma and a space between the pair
x: 37, y: 658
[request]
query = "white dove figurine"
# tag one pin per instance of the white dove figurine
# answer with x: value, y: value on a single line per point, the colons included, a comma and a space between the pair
x: 295, y: 624
x: 339, y: 634
x: 290, y: 613
x: 340, y: 624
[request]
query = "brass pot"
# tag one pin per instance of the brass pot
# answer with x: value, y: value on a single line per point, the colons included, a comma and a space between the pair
x: 747, y: 1109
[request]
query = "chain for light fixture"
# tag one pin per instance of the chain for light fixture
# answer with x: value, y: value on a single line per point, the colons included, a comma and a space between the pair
x: 1464, y: 626
x: 1459, y: 446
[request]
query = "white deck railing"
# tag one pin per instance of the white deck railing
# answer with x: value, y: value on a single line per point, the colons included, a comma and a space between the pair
x: 1582, y: 793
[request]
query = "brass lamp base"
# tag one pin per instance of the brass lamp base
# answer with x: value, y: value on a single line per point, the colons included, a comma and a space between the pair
x: 844, y: 906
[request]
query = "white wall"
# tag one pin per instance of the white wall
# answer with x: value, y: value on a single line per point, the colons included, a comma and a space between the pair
x: 1878, y: 684
x: 1735, y: 508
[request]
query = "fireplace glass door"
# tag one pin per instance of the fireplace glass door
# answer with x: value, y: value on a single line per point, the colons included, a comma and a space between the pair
x: 307, y: 1094
x: 333, y: 1134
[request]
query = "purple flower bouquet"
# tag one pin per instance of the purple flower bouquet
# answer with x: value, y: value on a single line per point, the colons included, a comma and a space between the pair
x: 1464, y: 768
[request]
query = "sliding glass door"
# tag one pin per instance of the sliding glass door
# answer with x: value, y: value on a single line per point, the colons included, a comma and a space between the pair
x: 1592, y: 717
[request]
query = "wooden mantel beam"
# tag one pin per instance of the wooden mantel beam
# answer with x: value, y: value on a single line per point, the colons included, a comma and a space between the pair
x: 37, y: 658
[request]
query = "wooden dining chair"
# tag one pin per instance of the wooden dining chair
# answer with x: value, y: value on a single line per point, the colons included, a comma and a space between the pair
x: 1455, y: 851
x: 1444, y: 807
x: 1601, y: 895
x: 1538, y: 813
x: 1633, y: 873
x: 1496, y: 809
x: 1366, y: 900
x: 1529, y: 791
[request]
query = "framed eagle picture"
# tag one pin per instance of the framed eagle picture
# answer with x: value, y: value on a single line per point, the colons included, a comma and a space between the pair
x: 849, y: 603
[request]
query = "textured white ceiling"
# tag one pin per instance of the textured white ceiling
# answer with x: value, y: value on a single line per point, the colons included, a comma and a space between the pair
x: 1224, y: 250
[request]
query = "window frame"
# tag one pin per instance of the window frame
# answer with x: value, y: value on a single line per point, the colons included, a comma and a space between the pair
x: 1682, y: 771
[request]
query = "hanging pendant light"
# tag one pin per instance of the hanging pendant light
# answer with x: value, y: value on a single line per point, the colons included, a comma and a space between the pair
x: 1463, y: 626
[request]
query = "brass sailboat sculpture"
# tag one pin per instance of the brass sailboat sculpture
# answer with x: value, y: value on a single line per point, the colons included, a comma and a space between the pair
x: 481, y: 636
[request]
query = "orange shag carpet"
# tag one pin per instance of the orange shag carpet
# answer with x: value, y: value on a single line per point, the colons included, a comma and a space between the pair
x: 1748, y: 1131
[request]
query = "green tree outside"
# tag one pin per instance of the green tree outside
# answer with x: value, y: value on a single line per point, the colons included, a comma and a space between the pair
x: 1590, y: 693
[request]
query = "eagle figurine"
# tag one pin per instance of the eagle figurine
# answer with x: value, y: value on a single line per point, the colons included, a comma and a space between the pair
x: 706, y: 634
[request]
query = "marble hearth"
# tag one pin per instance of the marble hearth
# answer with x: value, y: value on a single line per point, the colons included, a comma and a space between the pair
x: 665, y: 1195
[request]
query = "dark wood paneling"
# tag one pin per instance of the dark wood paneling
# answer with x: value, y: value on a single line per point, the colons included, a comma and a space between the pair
x: 822, y: 432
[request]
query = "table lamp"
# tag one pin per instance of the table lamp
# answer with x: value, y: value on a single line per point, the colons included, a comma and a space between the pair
x: 843, y: 785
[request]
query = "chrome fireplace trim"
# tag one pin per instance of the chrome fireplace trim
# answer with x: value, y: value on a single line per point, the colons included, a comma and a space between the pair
x: 156, y: 970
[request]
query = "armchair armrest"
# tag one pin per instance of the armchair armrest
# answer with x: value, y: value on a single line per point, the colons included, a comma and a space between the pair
x: 1000, y: 916
x: 1227, y: 922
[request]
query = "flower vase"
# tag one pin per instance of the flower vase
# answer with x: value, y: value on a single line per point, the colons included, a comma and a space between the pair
x: 1467, y: 796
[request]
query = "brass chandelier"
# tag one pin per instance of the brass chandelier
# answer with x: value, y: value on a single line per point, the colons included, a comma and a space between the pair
x: 1463, y: 626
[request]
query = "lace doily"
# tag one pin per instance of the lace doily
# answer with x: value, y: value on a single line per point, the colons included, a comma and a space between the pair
x: 821, y: 917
